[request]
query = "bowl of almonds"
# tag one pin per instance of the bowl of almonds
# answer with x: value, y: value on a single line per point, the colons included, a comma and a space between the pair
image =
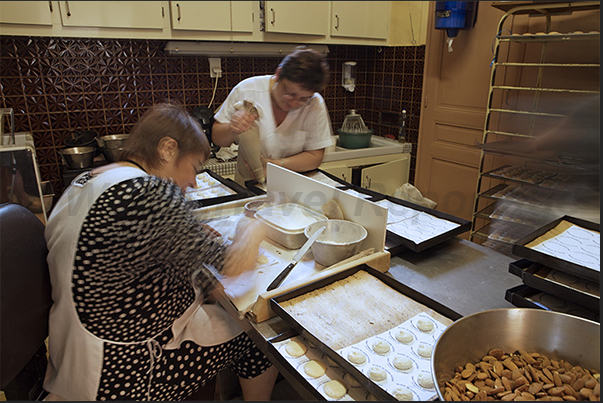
x: 518, y: 354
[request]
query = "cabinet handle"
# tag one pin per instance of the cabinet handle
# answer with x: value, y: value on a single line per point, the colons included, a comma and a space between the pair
x: 178, y: 7
x: 368, y: 178
x: 50, y: 6
x: 68, y: 10
x: 273, y: 16
x: 337, y: 23
x: 343, y: 177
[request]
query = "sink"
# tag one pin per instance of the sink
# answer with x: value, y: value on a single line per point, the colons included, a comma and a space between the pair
x: 378, y: 146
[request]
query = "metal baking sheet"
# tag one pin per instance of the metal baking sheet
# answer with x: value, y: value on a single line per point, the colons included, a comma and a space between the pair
x: 398, y: 242
x: 551, y: 281
x: 521, y: 250
x: 389, y: 281
x: 239, y: 192
x: 523, y: 296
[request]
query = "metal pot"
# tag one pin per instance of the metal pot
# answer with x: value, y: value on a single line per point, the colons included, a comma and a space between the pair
x: 111, y: 154
x: 81, y: 138
x: 340, y: 240
x: 78, y: 157
x: 113, y: 141
x: 553, y: 334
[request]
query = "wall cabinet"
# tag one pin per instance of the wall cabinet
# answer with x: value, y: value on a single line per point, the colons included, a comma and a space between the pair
x: 26, y: 12
x: 297, y: 17
x: 236, y: 16
x: 382, y: 173
x: 112, y: 14
x: 361, y: 19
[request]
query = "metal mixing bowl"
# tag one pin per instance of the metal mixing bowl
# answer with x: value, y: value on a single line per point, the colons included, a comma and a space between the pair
x: 78, y: 157
x: 111, y: 154
x: 340, y: 240
x: 114, y: 141
x: 553, y: 334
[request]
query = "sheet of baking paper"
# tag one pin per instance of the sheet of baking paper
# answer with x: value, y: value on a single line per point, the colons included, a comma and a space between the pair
x: 357, y: 194
x: 572, y: 282
x: 355, y: 391
x: 322, y: 178
x: 418, y: 379
x: 421, y: 227
x: 207, y: 188
x: 571, y: 243
x: 397, y: 212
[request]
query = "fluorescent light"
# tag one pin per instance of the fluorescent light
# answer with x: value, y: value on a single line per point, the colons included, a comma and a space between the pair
x: 226, y: 49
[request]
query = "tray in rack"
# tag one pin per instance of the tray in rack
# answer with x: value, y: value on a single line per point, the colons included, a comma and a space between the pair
x: 567, y: 286
x: 412, y: 302
x: 574, y: 250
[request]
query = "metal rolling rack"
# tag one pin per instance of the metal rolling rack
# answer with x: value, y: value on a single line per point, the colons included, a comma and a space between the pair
x: 515, y: 191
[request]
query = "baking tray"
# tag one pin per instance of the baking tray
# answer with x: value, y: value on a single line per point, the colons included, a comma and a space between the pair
x: 521, y: 250
x: 551, y: 281
x: 240, y: 192
x: 523, y: 296
x: 391, y: 282
x: 398, y: 242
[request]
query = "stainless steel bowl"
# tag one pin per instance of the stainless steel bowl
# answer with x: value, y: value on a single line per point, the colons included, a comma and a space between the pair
x: 111, y: 154
x: 556, y: 335
x: 114, y: 141
x: 340, y: 240
x: 78, y: 157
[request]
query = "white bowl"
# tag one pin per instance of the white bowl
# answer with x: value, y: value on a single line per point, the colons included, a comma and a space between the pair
x: 340, y: 240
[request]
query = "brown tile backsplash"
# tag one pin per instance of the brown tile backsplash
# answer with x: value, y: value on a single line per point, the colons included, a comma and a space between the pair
x: 57, y: 86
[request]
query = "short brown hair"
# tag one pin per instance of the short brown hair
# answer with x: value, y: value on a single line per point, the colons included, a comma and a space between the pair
x: 306, y: 67
x: 164, y: 120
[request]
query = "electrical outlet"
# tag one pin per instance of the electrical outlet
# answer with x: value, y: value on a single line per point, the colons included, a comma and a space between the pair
x: 215, y: 68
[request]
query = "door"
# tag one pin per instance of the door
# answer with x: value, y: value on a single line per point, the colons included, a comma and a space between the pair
x: 344, y: 173
x: 212, y: 15
x: 112, y: 14
x: 387, y: 177
x: 455, y: 92
x: 361, y: 19
x: 26, y: 12
x: 297, y: 17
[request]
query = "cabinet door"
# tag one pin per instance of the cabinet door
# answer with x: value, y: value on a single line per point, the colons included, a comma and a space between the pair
x: 386, y: 178
x: 361, y: 19
x: 112, y: 14
x: 297, y: 17
x: 212, y: 15
x: 344, y: 173
x: 26, y: 12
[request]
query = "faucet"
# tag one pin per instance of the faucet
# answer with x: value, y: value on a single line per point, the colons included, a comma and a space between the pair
x: 11, y: 113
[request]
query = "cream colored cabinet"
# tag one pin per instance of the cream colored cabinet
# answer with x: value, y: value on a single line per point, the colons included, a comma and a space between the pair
x: 361, y: 19
x: 236, y: 16
x: 297, y: 17
x: 112, y: 14
x: 26, y: 12
x: 343, y: 173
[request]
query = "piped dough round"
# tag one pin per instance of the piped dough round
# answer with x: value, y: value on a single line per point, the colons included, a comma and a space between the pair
x: 425, y: 325
x: 404, y: 337
x: 262, y: 259
x: 381, y: 347
x: 425, y: 380
x: 315, y: 369
x: 402, y: 394
x: 335, y: 389
x: 424, y: 350
x: 356, y: 357
x: 402, y: 363
x: 296, y: 348
x: 377, y: 374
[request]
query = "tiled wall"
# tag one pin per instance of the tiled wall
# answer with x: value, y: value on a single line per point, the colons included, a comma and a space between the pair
x: 57, y: 86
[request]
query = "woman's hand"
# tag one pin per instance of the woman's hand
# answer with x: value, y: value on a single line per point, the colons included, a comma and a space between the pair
x: 241, y: 121
x: 243, y: 252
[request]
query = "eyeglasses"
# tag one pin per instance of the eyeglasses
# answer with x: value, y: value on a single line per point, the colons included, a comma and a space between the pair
x: 292, y: 96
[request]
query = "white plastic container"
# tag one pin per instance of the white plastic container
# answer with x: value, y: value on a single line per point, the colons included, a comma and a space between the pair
x: 286, y: 223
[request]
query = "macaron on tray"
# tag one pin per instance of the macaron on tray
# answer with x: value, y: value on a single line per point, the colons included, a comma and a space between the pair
x: 398, y: 361
x: 207, y: 187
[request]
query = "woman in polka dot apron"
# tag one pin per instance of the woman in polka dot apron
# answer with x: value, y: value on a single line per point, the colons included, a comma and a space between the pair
x: 131, y: 283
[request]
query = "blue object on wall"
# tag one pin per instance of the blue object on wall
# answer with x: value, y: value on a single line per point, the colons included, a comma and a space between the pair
x: 455, y: 15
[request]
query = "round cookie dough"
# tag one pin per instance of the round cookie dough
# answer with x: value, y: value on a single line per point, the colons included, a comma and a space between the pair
x: 295, y: 348
x: 402, y: 363
x: 377, y: 374
x: 404, y: 336
x: 425, y: 325
x: 315, y: 369
x: 335, y: 389
x: 356, y: 357
x: 424, y: 350
x: 425, y: 380
x: 262, y: 259
x: 381, y: 347
x: 402, y: 394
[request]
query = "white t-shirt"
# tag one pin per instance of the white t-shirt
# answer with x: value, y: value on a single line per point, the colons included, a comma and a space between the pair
x: 306, y: 128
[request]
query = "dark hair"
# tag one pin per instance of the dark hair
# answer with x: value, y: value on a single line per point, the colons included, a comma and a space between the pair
x: 164, y: 120
x: 306, y: 67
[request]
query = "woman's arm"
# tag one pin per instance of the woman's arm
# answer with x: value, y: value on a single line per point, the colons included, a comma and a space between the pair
x: 224, y: 134
x: 302, y: 162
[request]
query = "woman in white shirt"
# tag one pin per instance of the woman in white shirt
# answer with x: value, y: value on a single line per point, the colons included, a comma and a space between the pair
x: 292, y: 119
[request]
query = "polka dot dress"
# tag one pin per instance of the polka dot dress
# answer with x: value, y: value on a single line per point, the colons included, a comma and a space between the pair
x: 139, y: 265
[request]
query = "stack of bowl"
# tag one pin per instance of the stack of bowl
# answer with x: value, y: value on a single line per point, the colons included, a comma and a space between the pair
x: 78, y: 157
x: 112, y: 145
